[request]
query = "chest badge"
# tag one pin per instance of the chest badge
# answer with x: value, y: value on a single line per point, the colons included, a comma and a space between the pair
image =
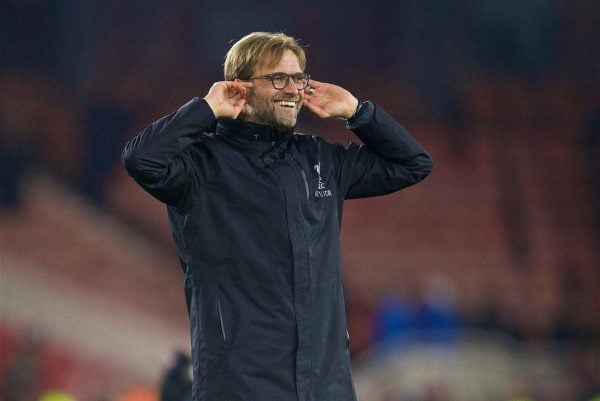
x: 321, y: 191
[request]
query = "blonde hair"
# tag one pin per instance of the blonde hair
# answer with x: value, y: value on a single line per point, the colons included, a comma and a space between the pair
x: 259, y: 49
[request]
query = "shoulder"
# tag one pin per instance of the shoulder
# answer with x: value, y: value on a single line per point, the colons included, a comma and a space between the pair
x: 205, y: 143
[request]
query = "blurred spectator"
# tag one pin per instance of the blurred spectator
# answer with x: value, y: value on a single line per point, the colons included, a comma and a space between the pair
x: 395, y: 320
x: 177, y: 382
x: 439, y: 317
x: 434, y: 318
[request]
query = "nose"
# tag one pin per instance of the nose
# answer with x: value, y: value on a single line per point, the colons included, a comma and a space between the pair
x: 290, y: 86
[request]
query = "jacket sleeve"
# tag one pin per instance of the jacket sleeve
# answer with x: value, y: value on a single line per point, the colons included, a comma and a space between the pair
x: 157, y: 158
x: 389, y: 160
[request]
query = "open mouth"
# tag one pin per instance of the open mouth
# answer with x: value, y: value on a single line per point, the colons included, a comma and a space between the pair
x: 286, y: 103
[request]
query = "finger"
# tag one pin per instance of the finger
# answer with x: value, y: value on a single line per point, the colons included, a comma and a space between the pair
x: 231, y: 89
x: 238, y: 109
x: 318, y: 87
x: 315, y: 84
x: 239, y: 103
x: 237, y: 90
x: 239, y: 87
x: 239, y: 84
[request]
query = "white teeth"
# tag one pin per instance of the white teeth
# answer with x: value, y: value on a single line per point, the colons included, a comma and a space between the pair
x: 286, y: 103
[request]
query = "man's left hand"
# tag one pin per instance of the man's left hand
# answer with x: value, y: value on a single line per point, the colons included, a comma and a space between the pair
x: 329, y: 101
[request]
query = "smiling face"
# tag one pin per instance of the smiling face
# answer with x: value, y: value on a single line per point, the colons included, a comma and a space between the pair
x: 276, y: 107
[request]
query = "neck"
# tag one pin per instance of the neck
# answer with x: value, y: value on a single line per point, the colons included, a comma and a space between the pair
x: 246, y: 117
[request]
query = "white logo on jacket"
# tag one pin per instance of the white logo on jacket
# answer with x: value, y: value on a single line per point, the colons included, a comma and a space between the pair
x: 321, y: 191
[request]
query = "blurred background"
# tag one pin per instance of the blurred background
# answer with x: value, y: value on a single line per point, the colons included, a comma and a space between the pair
x: 481, y: 283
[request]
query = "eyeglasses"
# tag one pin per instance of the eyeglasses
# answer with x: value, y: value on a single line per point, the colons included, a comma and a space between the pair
x: 280, y: 79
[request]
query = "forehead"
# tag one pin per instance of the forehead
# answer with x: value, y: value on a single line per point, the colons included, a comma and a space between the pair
x: 288, y: 63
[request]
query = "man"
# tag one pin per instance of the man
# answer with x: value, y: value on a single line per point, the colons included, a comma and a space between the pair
x: 255, y: 210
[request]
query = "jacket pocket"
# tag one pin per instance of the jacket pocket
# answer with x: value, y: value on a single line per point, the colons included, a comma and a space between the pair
x: 221, y: 320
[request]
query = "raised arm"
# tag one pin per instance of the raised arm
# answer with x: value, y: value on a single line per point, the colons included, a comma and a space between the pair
x: 391, y: 158
x: 157, y: 159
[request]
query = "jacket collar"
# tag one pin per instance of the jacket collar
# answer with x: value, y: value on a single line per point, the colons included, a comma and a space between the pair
x: 257, y: 139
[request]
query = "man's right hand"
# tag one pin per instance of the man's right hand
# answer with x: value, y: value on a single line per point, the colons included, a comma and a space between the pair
x: 227, y: 98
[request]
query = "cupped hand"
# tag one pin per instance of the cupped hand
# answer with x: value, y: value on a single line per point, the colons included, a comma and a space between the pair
x: 227, y: 98
x: 329, y: 100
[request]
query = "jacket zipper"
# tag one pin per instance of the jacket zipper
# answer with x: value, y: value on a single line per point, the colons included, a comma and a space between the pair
x: 305, y: 183
x: 221, y: 318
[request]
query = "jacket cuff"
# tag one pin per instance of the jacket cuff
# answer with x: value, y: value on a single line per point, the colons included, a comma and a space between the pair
x: 203, y: 114
x: 364, y: 115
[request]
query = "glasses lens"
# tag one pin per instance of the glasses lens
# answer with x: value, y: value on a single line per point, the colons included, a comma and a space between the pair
x: 280, y: 80
x: 301, y: 80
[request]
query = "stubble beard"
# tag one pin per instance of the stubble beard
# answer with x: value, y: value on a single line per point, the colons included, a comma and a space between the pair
x: 264, y: 111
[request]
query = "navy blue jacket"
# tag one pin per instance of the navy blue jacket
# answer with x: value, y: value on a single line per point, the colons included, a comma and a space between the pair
x: 256, y: 220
